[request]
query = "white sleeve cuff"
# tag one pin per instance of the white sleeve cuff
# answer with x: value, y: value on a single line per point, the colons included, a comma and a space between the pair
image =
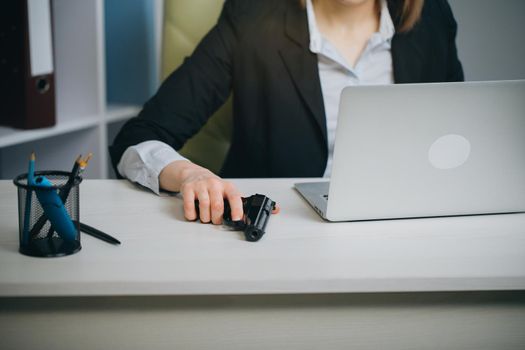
x: 143, y: 163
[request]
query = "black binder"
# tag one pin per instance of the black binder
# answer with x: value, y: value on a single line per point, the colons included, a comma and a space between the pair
x: 27, y: 82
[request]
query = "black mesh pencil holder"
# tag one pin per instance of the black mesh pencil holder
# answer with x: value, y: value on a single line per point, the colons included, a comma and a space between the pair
x: 48, y: 214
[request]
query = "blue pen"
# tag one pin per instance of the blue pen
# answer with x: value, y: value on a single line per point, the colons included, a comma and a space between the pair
x: 29, y: 194
x: 54, y: 209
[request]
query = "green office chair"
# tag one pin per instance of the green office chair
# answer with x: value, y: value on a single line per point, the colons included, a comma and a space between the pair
x: 185, y: 23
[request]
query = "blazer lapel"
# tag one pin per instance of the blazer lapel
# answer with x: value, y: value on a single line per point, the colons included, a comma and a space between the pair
x: 302, y: 64
x: 407, y: 59
x: 407, y: 55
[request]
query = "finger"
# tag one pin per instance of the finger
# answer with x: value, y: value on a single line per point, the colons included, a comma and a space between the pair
x: 216, y: 205
x: 277, y: 209
x: 188, y: 195
x: 235, y: 200
x: 204, y: 205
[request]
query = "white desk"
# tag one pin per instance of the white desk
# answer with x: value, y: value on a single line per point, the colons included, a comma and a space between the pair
x: 167, y: 267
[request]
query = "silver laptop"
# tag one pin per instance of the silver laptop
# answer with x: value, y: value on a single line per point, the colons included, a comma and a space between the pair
x: 424, y: 150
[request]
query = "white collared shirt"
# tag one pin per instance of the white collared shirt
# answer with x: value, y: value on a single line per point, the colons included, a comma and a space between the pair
x: 374, y: 66
x: 143, y: 163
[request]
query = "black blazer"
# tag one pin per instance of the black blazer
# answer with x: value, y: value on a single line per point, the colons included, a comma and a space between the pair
x: 259, y: 49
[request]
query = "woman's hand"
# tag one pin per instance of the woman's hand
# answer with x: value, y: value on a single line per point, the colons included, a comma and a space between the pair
x: 198, y: 183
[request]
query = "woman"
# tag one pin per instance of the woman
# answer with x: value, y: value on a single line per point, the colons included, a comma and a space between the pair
x: 286, y: 62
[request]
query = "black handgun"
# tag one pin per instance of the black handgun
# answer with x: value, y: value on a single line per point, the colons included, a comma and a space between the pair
x: 257, y: 210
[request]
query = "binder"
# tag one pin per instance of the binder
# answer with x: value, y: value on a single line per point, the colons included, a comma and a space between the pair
x: 27, y: 81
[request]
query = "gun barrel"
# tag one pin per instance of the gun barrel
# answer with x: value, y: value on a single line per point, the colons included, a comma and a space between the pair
x: 258, y: 210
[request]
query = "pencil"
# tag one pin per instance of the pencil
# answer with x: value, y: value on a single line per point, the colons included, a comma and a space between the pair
x: 64, y: 193
x: 84, y: 163
x: 29, y: 195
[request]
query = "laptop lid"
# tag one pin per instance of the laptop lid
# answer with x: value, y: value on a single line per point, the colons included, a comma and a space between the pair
x: 420, y: 150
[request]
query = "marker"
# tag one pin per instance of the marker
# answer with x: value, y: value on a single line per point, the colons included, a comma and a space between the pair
x: 54, y: 209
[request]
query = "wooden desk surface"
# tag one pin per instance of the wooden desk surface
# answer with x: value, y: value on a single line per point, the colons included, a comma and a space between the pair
x: 162, y: 254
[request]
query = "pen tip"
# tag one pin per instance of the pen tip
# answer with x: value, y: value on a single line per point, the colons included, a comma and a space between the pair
x: 79, y: 158
x: 32, y: 157
x: 85, y: 161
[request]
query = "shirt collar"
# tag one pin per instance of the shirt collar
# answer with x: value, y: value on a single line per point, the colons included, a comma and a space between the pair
x: 385, y: 33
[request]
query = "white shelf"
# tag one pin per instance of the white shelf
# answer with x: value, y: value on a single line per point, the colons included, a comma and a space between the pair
x: 11, y: 137
x: 116, y: 112
x: 85, y: 122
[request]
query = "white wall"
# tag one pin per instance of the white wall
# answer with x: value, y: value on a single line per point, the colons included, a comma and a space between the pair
x: 491, y: 41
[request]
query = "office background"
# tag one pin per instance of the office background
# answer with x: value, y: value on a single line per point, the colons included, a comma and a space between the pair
x: 107, y: 56
x: 490, y: 38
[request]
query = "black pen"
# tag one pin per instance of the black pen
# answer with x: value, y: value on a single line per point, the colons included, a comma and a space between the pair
x: 64, y: 193
x: 98, y: 234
